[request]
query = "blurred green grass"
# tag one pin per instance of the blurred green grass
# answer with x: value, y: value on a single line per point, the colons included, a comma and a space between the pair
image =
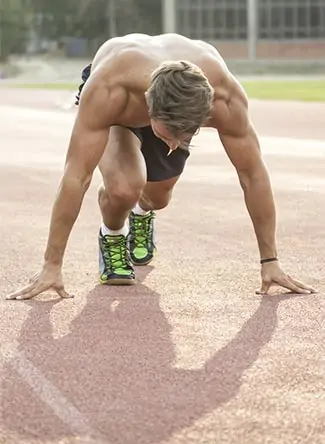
x: 298, y: 90
x: 302, y: 90
x: 68, y: 86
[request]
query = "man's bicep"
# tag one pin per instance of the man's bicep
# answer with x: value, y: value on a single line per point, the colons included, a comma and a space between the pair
x: 236, y: 132
x: 243, y: 150
x: 98, y: 110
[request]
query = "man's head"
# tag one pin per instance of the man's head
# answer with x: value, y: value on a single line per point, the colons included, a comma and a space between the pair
x: 179, y: 100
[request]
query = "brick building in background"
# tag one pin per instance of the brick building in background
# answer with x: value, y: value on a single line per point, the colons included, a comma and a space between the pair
x: 285, y: 29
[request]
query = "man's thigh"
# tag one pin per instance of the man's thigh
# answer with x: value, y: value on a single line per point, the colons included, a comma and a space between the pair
x: 122, y: 160
x: 159, y: 166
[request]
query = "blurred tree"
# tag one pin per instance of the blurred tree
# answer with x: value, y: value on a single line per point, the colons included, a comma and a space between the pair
x: 94, y: 20
x: 103, y: 19
x: 151, y: 17
x: 13, y: 26
x: 54, y: 18
x: 91, y: 18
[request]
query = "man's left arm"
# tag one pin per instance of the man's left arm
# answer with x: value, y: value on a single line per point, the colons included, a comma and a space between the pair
x: 244, y: 153
x: 242, y: 147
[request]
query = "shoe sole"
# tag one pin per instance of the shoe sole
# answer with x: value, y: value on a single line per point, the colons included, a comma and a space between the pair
x: 118, y: 281
x: 141, y: 264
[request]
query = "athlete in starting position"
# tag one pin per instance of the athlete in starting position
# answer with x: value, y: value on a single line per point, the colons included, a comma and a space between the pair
x: 142, y: 100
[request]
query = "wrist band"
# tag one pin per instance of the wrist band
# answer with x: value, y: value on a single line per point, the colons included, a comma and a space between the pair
x: 271, y: 259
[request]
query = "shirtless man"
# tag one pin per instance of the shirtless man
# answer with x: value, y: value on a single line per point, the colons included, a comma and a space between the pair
x: 144, y: 100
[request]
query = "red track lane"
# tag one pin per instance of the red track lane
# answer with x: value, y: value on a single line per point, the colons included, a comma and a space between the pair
x: 190, y: 354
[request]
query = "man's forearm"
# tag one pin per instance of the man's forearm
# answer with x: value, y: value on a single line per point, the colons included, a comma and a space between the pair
x: 64, y: 214
x: 260, y: 204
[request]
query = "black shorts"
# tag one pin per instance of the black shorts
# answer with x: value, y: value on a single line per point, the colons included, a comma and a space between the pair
x: 159, y: 165
x: 154, y: 150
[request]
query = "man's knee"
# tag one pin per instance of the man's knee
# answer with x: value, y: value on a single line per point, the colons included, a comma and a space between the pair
x: 157, y: 195
x: 124, y: 193
x: 158, y: 200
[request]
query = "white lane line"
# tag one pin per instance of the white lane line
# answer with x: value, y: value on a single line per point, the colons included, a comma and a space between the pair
x: 47, y: 392
x: 31, y: 114
x: 207, y: 142
x: 286, y: 181
x: 278, y: 145
x: 291, y: 147
x: 48, y: 123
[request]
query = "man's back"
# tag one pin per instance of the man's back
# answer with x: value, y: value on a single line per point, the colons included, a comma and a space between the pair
x: 128, y: 62
x: 160, y: 48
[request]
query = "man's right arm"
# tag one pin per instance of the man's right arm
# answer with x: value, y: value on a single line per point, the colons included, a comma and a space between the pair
x: 98, y: 110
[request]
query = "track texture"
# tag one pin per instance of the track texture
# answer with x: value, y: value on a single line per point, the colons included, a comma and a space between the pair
x: 191, y: 354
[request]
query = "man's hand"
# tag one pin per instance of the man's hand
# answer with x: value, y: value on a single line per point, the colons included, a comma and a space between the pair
x: 272, y: 274
x: 49, y: 278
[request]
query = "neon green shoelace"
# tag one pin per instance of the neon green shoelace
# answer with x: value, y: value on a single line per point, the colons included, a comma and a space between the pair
x: 115, y: 252
x: 142, y: 230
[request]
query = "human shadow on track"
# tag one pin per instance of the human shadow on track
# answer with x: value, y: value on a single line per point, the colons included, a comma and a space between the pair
x: 116, y: 369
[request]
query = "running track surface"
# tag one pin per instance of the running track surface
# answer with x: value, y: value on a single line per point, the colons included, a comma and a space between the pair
x: 190, y: 354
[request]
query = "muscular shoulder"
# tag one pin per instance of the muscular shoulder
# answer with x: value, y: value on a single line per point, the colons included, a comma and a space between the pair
x: 102, y: 101
x: 230, y: 111
x: 129, y: 68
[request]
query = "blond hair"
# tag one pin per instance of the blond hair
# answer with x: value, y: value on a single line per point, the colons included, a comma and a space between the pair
x: 180, y: 96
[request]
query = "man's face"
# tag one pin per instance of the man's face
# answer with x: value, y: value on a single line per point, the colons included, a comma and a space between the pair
x: 160, y: 131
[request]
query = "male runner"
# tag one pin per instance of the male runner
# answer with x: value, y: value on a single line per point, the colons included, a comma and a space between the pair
x: 142, y: 100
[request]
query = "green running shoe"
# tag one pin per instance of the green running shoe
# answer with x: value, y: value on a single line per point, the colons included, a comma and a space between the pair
x: 115, y: 267
x: 142, y: 238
